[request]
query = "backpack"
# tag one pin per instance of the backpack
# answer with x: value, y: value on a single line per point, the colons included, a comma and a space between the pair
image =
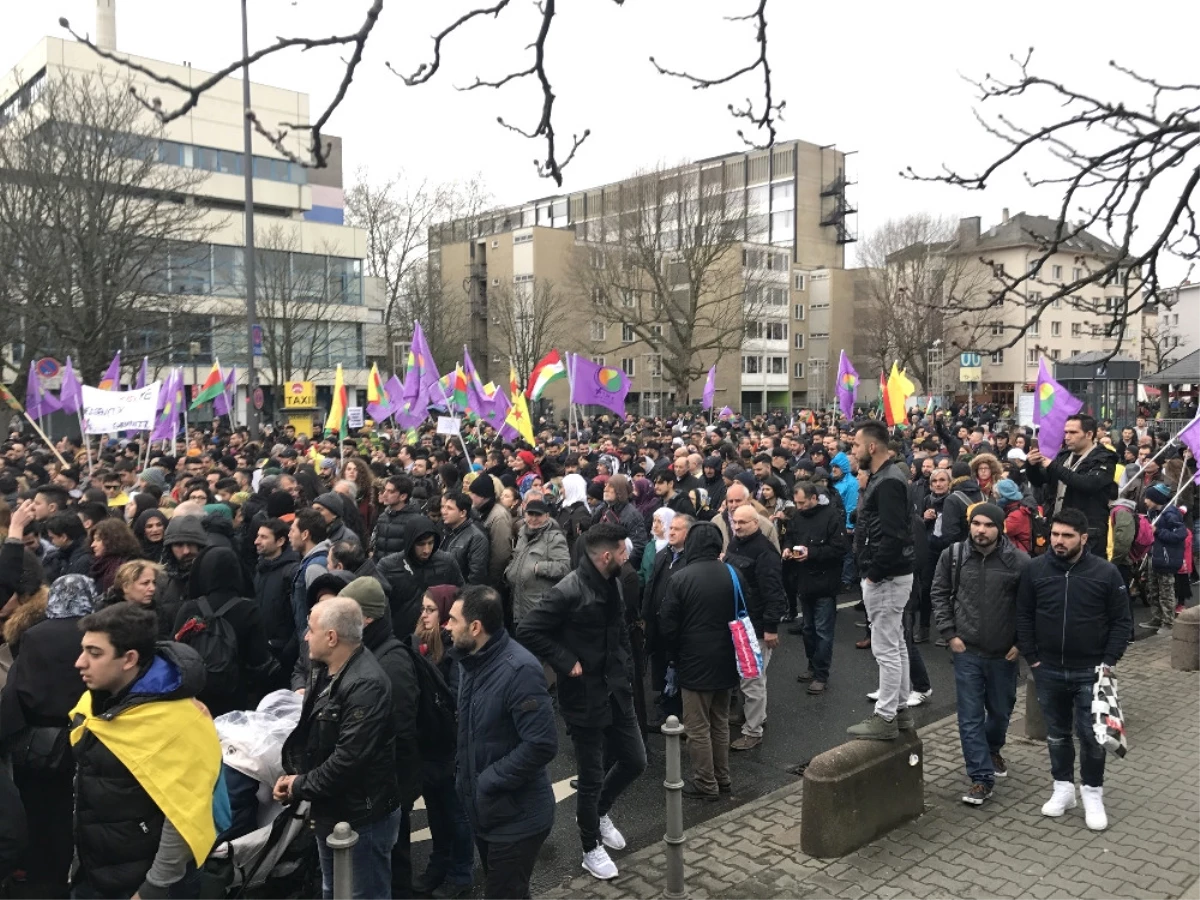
x: 211, y: 635
x: 1039, y: 532
x: 1143, y: 537
x: 437, y: 716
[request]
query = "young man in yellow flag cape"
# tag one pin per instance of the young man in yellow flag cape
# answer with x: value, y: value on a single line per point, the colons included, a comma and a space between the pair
x: 148, y: 760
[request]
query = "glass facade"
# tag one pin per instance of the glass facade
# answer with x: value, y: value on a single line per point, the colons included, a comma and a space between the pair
x: 217, y: 270
x: 229, y: 162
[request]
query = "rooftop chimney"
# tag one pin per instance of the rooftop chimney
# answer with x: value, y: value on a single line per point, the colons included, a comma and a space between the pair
x: 1004, y: 215
x: 106, y: 25
x: 968, y: 231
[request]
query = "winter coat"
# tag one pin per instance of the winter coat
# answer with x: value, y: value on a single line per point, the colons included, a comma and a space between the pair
x: 963, y: 494
x: 1170, y: 535
x: 627, y: 516
x: 14, y: 832
x: 846, y: 486
x: 469, y: 546
x: 497, y: 522
x: 397, y: 664
x: 883, y: 538
x: 1072, y: 615
x: 506, y: 740
x: 273, y: 591
x: 73, y: 559
x: 217, y: 577
x: 1124, y: 519
x: 1018, y: 524
x: 574, y: 521
x: 693, y: 621
x: 982, y: 612
x: 541, y: 559
x: 820, y: 530
x: 1090, y: 487
x: 311, y: 567
x: 344, y: 748
x: 762, y: 570
x: 409, y: 578
x: 765, y: 526
x: 390, y: 529
x: 582, y: 620
x: 117, y: 825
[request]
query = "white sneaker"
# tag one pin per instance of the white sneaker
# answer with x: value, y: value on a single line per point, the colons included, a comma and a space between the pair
x: 599, y: 864
x: 916, y: 698
x: 609, y: 834
x: 874, y: 695
x: 1093, y: 807
x: 1062, y: 799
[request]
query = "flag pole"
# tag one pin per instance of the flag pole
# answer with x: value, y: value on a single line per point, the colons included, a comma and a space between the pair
x: 42, y: 434
x: 1141, y: 466
x: 1184, y: 481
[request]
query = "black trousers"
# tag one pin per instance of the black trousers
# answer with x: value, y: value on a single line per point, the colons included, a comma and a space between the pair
x: 402, y: 875
x: 508, y: 867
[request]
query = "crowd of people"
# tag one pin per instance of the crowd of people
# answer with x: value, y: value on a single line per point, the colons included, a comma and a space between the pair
x: 437, y: 603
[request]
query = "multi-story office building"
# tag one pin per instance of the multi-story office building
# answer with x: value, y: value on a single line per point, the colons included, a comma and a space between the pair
x: 794, y: 220
x: 309, y: 263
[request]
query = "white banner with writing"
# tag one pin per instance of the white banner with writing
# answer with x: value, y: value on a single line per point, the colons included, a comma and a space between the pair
x: 107, y: 412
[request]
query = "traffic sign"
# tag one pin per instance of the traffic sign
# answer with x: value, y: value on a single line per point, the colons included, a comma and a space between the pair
x: 970, y: 360
x: 47, y: 367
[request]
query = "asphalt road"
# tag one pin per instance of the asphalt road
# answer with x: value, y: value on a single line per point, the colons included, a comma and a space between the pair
x: 799, y: 726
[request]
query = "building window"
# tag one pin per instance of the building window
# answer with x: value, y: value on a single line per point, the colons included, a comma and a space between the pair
x: 998, y: 269
x: 1057, y: 272
x: 1032, y: 266
x: 598, y: 331
x: 1056, y: 303
x: 1076, y: 273
x: 1055, y: 354
x: 656, y: 334
x: 997, y: 329
x: 597, y: 258
x: 1076, y: 329
x: 800, y: 281
x: 598, y: 360
x: 1056, y: 329
x: 628, y: 299
x: 798, y: 341
x: 522, y: 279
x: 775, y: 331
x: 777, y: 365
x: 798, y: 312
x: 998, y: 358
x: 628, y: 366
x: 627, y: 335
x: 654, y: 364
x: 753, y: 331
x: 1031, y: 356
x: 751, y: 365
x: 1035, y: 328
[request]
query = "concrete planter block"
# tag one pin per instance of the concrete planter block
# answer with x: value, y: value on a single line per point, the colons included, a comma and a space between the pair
x: 1185, y: 640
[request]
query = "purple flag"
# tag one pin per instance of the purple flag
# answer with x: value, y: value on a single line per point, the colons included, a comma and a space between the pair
x: 167, y: 423
x: 596, y: 385
x: 497, y: 412
x: 847, y: 386
x: 70, y: 395
x: 223, y: 402
x: 725, y: 411
x: 38, y: 402
x: 1190, y: 438
x: 111, y: 379
x: 142, y: 376
x: 710, y: 388
x: 478, y: 402
x: 422, y: 389
x: 1052, y: 406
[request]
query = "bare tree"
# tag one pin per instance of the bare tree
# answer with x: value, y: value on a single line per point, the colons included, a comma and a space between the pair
x: 444, y: 319
x: 97, y: 246
x: 1123, y: 170
x: 531, y: 321
x: 353, y: 44
x: 917, y: 294
x: 396, y: 216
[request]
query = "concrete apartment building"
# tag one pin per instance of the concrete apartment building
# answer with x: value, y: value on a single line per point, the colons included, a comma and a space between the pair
x: 1176, y: 325
x: 298, y: 222
x: 1067, y: 328
x: 797, y: 221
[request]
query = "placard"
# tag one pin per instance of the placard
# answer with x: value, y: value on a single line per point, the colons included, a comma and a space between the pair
x: 354, y: 417
x: 448, y: 425
x: 1025, y: 410
x: 107, y: 412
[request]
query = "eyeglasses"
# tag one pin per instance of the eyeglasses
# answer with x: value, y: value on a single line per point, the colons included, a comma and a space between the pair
x: 429, y: 609
x: 112, y: 487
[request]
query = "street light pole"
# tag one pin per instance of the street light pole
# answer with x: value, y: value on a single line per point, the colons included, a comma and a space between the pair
x: 252, y: 413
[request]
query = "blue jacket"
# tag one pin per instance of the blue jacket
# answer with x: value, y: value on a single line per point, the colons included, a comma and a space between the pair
x: 846, y: 486
x: 506, y: 738
x: 1170, y: 535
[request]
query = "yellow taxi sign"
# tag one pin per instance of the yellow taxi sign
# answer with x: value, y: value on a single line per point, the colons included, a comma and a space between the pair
x: 300, y: 395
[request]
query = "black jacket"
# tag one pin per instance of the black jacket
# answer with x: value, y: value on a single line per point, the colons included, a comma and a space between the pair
x: 582, y: 620
x: 693, y: 623
x: 273, y: 590
x: 391, y: 528
x: 954, y: 515
x: 883, y: 537
x: 470, y: 548
x: 397, y: 664
x: 1090, y: 488
x: 344, y: 748
x: 14, y: 834
x: 506, y: 739
x: 627, y: 516
x: 975, y: 596
x: 117, y: 825
x: 667, y: 563
x: 1072, y: 615
x: 216, y: 575
x: 822, y: 530
x: 761, y: 568
x: 73, y: 559
x: 409, y: 577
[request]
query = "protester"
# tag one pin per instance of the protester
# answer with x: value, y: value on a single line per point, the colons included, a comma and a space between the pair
x: 1081, y: 477
x: 540, y: 560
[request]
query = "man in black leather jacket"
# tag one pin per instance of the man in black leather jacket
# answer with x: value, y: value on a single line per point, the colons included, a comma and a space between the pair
x: 342, y: 754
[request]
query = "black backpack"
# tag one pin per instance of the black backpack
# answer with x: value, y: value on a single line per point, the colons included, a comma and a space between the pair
x: 437, y: 715
x: 217, y: 643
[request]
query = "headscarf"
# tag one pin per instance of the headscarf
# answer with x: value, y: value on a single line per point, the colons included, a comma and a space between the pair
x: 153, y: 551
x: 574, y: 489
x: 665, y: 515
x: 71, y: 596
x: 643, y: 495
x: 620, y: 486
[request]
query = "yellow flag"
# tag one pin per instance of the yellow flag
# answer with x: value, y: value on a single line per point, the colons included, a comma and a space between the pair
x: 899, y: 389
x: 518, y: 413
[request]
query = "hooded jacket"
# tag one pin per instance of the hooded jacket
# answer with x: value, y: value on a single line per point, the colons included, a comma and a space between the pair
x: 1124, y: 530
x: 169, y: 596
x: 153, y: 552
x: 409, y: 577
x: 982, y: 612
x: 846, y: 486
x: 217, y: 577
x: 497, y: 522
x: 470, y: 548
x: 541, y: 559
x: 273, y: 591
x: 398, y: 665
x: 1170, y: 535
x: 622, y: 512
x: 693, y: 621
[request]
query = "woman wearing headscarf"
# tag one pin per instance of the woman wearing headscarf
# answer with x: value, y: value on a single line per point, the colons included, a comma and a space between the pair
x: 574, y: 516
x: 526, y: 471
x: 659, y: 523
x: 43, y: 686
x: 149, y: 529
x: 137, y: 505
x: 644, y: 497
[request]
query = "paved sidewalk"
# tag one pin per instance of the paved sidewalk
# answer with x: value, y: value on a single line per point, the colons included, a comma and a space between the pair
x: 1005, y: 848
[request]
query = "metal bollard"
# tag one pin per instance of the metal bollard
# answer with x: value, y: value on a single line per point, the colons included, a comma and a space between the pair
x: 342, y: 842
x: 671, y: 729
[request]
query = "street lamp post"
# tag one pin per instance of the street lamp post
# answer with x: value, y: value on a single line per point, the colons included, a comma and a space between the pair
x: 252, y: 413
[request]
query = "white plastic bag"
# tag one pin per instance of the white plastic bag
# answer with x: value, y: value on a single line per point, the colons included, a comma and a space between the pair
x: 252, y: 741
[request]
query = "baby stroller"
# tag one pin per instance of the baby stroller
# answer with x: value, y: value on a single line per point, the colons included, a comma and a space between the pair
x: 270, y: 850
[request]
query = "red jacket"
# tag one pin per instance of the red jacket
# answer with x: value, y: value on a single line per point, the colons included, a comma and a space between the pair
x: 1018, y: 524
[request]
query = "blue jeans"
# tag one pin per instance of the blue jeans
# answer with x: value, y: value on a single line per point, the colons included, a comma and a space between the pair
x: 371, y: 858
x: 1065, y: 695
x: 453, y: 854
x: 850, y: 563
x: 987, y: 691
x: 819, y: 616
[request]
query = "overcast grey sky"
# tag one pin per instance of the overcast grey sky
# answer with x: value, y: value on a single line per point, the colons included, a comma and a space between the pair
x: 882, y: 79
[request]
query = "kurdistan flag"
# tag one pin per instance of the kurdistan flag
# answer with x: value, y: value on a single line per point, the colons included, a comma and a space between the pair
x: 337, y: 409
x: 212, y: 388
